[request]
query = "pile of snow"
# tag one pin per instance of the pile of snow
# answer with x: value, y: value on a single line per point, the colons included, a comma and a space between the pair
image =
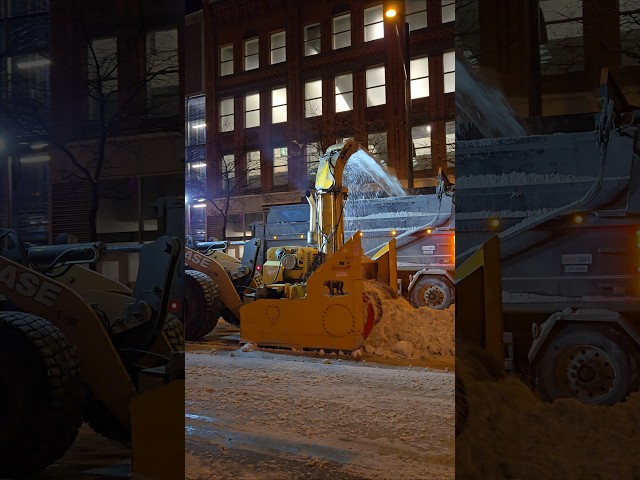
x: 405, y: 332
x: 510, y: 433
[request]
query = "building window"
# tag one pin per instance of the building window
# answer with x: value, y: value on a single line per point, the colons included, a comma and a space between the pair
x: 373, y: 23
x: 30, y: 79
x: 251, y: 54
x: 342, y: 31
x: 195, y: 121
x: 226, y: 115
x: 102, y: 69
x: 280, y: 166
x: 252, y: 110
x: 313, y: 154
x: 163, y: 70
x: 629, y: 31
x: 375, y: 87
x: 22, y: 7
x: 419, y: 77
x: 449, y: 67
x: 563, y: 50
x: 253, y: 169
x: 416, y: 14
x: 378, y: 146
x: 228, y: 171
x: 421, y: 135
x: 279, y: 105
x: 344, y: 92
x: 226, y: 60
x: 448, y: 11
x: 313, y: 99
x: 450, y: 142
x: 278, y: 47
x: 311, y: 39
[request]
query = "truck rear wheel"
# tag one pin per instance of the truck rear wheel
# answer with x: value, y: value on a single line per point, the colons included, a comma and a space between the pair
x: 202, y: 305
x: 587, y: 362
x: 431, y: 292
x: 40, y: 394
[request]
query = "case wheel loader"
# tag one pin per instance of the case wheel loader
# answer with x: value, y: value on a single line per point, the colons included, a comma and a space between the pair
x: 312, y: 296
x: 77, y: 346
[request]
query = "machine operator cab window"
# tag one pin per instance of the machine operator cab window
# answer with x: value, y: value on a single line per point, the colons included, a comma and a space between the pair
x: 12, y: 248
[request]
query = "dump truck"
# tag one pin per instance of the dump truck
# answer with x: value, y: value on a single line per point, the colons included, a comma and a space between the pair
x: 79, y: 347
x: 559, y: 215
x: 423, y: 226
x: 308, y: 296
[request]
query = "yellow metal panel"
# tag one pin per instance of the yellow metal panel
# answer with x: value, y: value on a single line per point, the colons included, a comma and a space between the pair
x: 157, y: 435
x: 329, y: 317
x: 479, y: 299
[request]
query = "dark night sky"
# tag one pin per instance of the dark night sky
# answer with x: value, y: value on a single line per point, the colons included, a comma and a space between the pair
x: 192, y: 6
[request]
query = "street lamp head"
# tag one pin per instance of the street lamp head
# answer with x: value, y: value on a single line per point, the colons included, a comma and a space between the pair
x: 390, y: 13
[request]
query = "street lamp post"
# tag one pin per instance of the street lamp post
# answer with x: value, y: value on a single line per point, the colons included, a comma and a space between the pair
x: 401, y: 24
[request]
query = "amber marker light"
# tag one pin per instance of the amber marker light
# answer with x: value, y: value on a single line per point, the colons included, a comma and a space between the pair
x: 393, y: 233
x: 578, y: 219
x: 428, y: 230
x: 494, y: 222
x: 390, y: 13
x: 275, y: 237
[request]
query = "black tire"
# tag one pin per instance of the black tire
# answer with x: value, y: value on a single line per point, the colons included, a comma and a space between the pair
x: 230, y: 317
x: 462, y: 405
x: 431, y: 292
x: 40, y: 394
x: 586, y: 362
x: 202, y: 305
x: 174, y: 331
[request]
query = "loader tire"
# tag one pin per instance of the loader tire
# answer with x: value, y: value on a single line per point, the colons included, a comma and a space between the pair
x: 230, y: 317
x: 41, y: 394
x: 174, y: 331
x: 202, y: 305
x: 433, y: 293
x: 591, y: 363
x: 462, y: 405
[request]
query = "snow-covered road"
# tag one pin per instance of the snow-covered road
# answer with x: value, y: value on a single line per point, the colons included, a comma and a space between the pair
x: 263, y: 415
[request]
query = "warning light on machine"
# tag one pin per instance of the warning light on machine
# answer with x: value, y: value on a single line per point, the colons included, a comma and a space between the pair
x: 428, y: 230
x: 494, y: 222
x: 275, y: 237
x: 578, y: 218
x: 393, y: 233
x: 390, y: 13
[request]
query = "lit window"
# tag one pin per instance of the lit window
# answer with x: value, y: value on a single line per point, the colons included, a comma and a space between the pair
x: 450, y: 142
x: 226, y: 60
x: 163, y: 73
x: 629, y: 31
x: 280, y: 166
x: 378, y: 146
x: 563, y: 50
x: 251, y: 54
x: 313, y: 98
x: 342, y: 31
x: 195, y: 121
x: 226, y: 115
x: 375, y: 87
x: 279, y: 105
x: 278, y: 47
x: 253, y: 169
x: 252, y: 110
x: 419, y: 77
x: 448, y: 11
x: 416, y: 11
x: 449, y: 67
x: 373, y: 23
x: 344, y: 92
x: 421, y: 136
x: 311, y: 39
x: 228, y: 170
x: 313, y: 153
